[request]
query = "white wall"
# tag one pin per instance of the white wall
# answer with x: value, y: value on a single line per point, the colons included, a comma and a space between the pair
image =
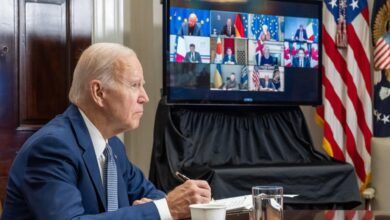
x: 143, y: 33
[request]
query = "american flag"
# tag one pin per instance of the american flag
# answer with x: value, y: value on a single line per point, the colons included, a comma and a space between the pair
x: 347, y: 108
x: 256, y: 78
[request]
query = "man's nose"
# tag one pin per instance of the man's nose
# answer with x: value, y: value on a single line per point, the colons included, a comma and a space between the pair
x: 144, y: 96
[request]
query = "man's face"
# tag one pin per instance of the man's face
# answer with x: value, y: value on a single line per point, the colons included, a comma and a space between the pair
x: 229, y: 51
x: 192, y: 49
x: 301, y: 54
x: 229, y: 22
x: 232, y: 77
x: 301, y: 27
x: 192, y: 20
x: 266, y: 51
x: 124, y: 102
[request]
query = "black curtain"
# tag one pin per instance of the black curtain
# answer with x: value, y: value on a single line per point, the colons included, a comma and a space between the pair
x: 235, y: 148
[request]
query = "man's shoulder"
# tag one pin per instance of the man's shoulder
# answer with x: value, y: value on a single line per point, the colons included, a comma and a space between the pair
x: 57, y: 130
x: 56, y: 139
x: 60, y: 126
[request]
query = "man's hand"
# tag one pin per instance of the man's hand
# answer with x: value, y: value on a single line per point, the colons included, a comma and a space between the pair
x: 190, y: 192
x: 141, y: 201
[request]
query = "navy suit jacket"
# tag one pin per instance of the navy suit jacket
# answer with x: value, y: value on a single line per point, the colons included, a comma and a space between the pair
x: 56, y: 176
x: 232, y: 59
x: 270, y: 84
x: 304, y: 34
x: 198, y: 58
x: 306, y: 62
x: 184, y: 30
x: 225, y: 31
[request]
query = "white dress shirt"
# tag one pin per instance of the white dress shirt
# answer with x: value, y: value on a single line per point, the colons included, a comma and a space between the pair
x: 99, y: 144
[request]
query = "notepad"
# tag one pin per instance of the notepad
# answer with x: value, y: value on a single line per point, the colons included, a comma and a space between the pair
x: 241, y: 203
x: 236, y: 203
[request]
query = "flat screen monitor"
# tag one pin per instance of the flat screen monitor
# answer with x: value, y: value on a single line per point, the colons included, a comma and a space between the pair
x: 242, y: 52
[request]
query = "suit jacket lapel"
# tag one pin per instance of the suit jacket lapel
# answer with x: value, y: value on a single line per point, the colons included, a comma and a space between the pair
x: 89, y: 155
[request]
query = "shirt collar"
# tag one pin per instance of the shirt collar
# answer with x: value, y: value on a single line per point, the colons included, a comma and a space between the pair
x: 99, y: 143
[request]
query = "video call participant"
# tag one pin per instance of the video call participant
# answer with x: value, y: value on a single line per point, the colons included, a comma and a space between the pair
x: 228, y: 29
x: 231, y: 82
x: 265, y: 34
x: 75, y: 167
x: 266, y: 84
x: 301, y: 60
x: 193, y: 56
x: 267, y: 59
x: 229, y: 58
x: 276, y: 78
x: 300, y: 34
x: 192, y: 27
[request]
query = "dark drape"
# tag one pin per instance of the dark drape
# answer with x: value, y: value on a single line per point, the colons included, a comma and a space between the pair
x: 235, y: 148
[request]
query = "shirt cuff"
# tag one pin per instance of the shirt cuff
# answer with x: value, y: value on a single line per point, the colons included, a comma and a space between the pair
x: 163, y: 209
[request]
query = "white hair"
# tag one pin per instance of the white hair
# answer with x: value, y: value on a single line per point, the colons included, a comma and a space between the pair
x: 100, y: 61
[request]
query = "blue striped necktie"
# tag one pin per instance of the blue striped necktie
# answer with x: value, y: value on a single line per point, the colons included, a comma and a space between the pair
x: 110, y: 179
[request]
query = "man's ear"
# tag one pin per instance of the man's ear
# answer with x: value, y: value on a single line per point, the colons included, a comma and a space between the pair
x: 97, y: 92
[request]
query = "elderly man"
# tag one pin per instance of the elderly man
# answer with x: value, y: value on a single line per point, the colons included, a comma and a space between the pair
x: 76, y: 168
x: 228, y: 29
x: 192, y: 27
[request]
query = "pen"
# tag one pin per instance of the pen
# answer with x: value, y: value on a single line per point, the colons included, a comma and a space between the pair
x: 181, y: 176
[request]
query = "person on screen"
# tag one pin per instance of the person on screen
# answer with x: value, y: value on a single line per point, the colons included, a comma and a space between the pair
x: 228, y: 29
x: 193, y: 56
x: 276, y: 78
x: 267, y: 84
x: 267, y: 59
x: 229, y: 58
x: 265, y: 34
x: 301, y: 60
x: 192, y: 27
x: 300, y: 34
x: 231, y: 82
